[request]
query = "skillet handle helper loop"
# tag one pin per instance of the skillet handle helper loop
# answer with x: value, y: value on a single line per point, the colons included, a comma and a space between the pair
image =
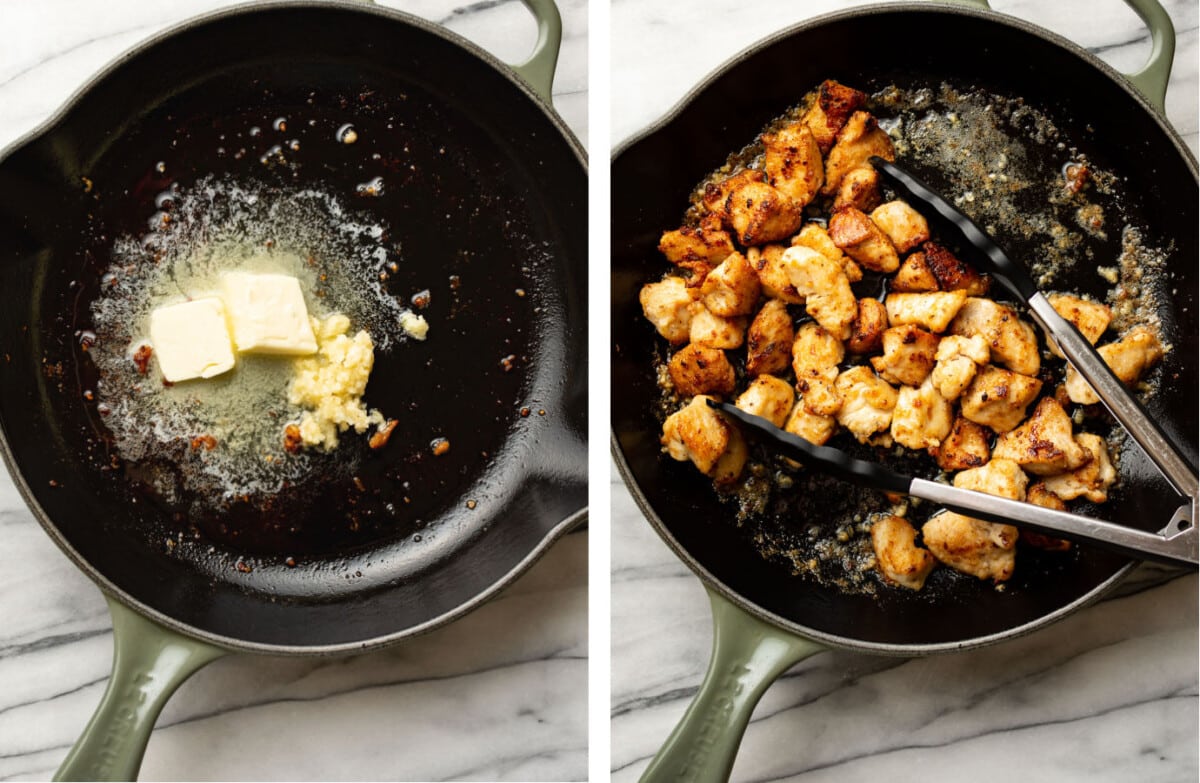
x: 1079, y: 352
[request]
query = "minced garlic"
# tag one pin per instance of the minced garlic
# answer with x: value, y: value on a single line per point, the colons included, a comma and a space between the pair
x: 330, y: 385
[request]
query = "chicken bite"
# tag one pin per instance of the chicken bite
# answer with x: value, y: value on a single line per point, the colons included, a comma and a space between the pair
x: 769, y: 397
x: 814, y: 236
x: 715, y: 331
x: 859, y: 189
x: 958, y: 359
x: 966, y: 446
x: 862, y: 240
x: 858, y: 140
x: 1129, y: 358
x: 897, y: 555
x: 826, y: 291
x: 759, y: 213
x: 985, y: 550
x: 792, y: 162
x: 815, y: 356
x: 774, y: 273
x: 932, y: 311
x: 813, y: 427
x: 701, y: 434
x: 1044, y: 445
x: 1090, y: 318
x: 908, y: 355
x: 667, y: 304
x: 866, y: 331
x: 698, y: 369
x: 867, y: 402
x: 697, y: 248
x: 914, y: 276
x: 716, y: 194
x: 1093, y: 479
x: 997, y: 398
x: 769, y: 339
x: 1038, y: 495
x: 904, y: 226
x: 828, y: 113
x: 953, y: 274
x: 922, y: 418
x: 732, y: 288
x: 1012, y: 342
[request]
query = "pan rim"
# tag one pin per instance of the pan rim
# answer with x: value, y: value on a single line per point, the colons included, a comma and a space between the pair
x: 107, y: 587
x: 709, y: 580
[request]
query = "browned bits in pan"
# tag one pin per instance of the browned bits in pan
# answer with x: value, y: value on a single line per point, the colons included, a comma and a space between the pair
x: 243, y: 566
x: 439, y: 446
x: 508, y: 362
x: 471, y: 504
x: 420, y: 300
x: 141, y: 358
x: 381, y: 437
x: 290, y: 562
x: 524, y: 413
x: 359, y: 485
x: 291, y: 439
x: 206, y: 442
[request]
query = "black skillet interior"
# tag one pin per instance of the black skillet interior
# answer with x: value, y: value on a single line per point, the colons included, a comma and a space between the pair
x: 481, y: 184
x: 871, y: 49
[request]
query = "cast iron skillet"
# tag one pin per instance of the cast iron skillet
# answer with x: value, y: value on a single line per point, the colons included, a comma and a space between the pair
x: 483, y: 182
x: 767, y: 619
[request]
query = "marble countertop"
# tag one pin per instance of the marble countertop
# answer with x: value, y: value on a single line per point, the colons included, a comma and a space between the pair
x: 499, y: 695
x: 1109, y: 694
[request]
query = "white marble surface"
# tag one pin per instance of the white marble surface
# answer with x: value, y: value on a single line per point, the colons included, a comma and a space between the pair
x: 499, y: 695
x: 1109, y: 694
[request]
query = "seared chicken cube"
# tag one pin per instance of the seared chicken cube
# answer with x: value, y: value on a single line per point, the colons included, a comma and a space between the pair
x: 1090, y: 318
x: 1012, y: 342
x: 1038, y: 495
x: 997, y: 398
x: 982, y: 549
x: 932, y: 311
x: 1129, y: 358
x: 792, y: 162
x: 715, y: 331
x: 922, y: 418
x: 769, y: 339
x: 701, y: 434
x: 905, y: 226
x: 859, y: 189
x: 815, y: 357
x: 768, y: 397
x: 914, y: 276
x: 867, y: 402
x: 833, y: 106
x: 862, y: 240
x: 958, y: 359
x: 774, y: 275
x: 826, y: 291
x: 953, y: 274
x: 759, y: 213
x: 667, y: 304
x: 859, y: 139
x: 866, y: 331
x: 699, y: 369
x: 716, y: 194
x: 731, y: 288
x: 1044, y: 445
x: 706, y: 242
x: 965, y: 447
x: 813, y: 427
x: 898, y: 557
x: 908, y: 355
x: 815, y: 237
x: 1090, y: 481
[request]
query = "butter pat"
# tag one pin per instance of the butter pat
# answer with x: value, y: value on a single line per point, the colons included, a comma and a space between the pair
x: 191, y: 339
x: 268, y: 314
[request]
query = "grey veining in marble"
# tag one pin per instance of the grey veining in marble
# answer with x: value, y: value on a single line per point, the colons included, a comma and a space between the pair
x: 499, y: 695
x: 1106, y: 696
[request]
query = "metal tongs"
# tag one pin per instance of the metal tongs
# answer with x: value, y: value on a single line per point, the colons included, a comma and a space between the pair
x: 1177, y: 542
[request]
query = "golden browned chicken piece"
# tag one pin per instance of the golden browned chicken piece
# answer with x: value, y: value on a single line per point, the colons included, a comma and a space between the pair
x: 922, y: 418
x: 867, y: 402
x: 897, y: 555
x: 815, y: 237
x: 731, y: 288
x: 691, y: 247
x: 815, y: 356
x: 997, y: 398
x: 699, y: 433
x: 914, y: 276
x: 859, y: 139
x: 1038, y: 495
x: 965, y: 447
x: 792, y: 162
x: 1090, y: 481
x: 958, y: 359
x: 953, y: 274
x: 826, y: 291
x: 932, y: 311
x: 715, y: 331
x: 698, y: 369
x: 667, y: 304
x: 769, y: 339
x: 1090, y: 318
x: 1129, y: 358
x: 834, y: 104
x: 903, y: 225
x: 769, y: 397
x: 716, y: 194
x: 859, y: 189
x: 862, y: 240
x: 1012, y: 342
x: 774, y: 275
x: 1044, y: 444
x: 813, y: 427
x: 908, y: 355
x: 866, y: 331
x: 759, y: 213
x: 984, y: 550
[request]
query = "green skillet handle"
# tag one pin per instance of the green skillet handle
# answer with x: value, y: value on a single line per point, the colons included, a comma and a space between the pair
x: 538, y: 70
x: 748, y: 655
x: 149, y: 663
x: 1151, y: 80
